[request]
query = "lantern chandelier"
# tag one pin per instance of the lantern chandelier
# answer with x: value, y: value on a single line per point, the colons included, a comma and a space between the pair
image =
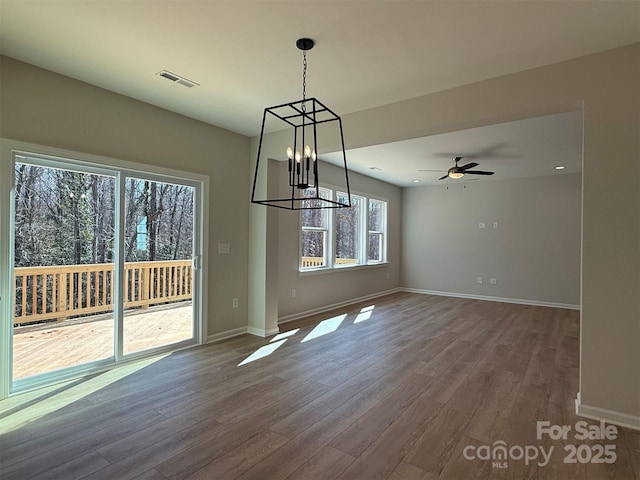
x: 305, y: 119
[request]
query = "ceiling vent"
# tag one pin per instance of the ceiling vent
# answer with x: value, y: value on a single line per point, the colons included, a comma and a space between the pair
x: 177, y: 79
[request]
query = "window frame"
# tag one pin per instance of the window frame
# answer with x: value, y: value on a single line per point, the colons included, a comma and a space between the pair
x: 327, y: 244
x: 330, y: 236
x: 381, y: 233
x: 361, y: 256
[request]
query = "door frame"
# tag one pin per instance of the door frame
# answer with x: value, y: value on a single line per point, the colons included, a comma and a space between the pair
x: 61, y: 158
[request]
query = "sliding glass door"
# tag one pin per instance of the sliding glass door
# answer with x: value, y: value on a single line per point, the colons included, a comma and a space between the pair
x: 158, y: 259
x: 102, y: 266
x: 63, y: 268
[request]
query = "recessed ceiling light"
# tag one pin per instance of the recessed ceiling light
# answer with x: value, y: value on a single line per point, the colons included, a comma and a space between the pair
x: 416, y: 181
x: 560, y: 167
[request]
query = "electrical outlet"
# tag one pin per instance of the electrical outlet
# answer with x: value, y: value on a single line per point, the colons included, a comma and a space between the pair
x: 481, y: 225
x: 293, y: 293
x: 493, y: 281
x: 235, y: 303
x: 479, y: 279
x: 495, y: 224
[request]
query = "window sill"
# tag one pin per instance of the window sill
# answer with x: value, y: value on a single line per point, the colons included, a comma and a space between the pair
x: 346, y: 268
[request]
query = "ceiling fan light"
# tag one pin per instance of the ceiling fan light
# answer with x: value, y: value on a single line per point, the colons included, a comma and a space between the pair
x: 456, y: 175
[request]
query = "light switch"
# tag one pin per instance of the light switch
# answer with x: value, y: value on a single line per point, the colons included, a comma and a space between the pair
x: 481, y: 225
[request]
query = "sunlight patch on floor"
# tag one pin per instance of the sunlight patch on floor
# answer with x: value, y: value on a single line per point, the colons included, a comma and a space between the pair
x: 365, y: 314
x: 324, y: 327
x: 282, y: 335
x: 264, y: 351
x: 24, y: 408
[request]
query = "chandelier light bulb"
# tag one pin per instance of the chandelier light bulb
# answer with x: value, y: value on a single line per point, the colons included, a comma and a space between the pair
x: 307, y: 151
x: 298, y: 157
x: 290, y: 153
x: 313, y: 155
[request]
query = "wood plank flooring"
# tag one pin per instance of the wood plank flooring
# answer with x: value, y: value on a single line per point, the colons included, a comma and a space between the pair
x: 400, y: 394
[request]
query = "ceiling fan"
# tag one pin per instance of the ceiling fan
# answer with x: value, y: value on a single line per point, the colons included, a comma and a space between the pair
x: 459, y: 172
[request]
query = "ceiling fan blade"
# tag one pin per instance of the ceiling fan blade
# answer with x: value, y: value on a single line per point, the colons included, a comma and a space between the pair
x: 478, y: 172
x: 468, y: 165
x: 451, y: 155
x: 443, y: 177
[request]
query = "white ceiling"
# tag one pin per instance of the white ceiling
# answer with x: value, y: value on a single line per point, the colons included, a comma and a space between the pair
x: 368, y: 53
x: 523, y: 148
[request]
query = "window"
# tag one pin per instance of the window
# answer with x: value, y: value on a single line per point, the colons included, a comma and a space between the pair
x: 315, y: 231
x: 377, y: 228
x: 349, y: 231
x: 343, y: 237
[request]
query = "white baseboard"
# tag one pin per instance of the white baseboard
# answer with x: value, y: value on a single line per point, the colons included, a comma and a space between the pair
x: 296, y: 316
x: 216, y: 337
x: 492, y: 299
x: 608, y: 416
x: 261, y: 332
x: 326, y: 308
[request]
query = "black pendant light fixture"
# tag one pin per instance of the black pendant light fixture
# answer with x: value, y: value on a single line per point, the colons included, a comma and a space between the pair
x: 306, y: 120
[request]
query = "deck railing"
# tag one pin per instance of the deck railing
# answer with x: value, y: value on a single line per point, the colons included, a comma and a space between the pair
x: 308, y: 262
x: 63, y: 291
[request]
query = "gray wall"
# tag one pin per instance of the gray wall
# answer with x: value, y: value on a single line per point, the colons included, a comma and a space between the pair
x: 42, y: 107
x: 534, y: 254
x: 605, y: 85
x: 317, y: 290
x: 273, y: 246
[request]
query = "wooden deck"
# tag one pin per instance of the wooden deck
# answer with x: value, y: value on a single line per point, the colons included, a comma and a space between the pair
x: 51, y: 347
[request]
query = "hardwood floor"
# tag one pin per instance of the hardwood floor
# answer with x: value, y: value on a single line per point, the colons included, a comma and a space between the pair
x: 399, y: 392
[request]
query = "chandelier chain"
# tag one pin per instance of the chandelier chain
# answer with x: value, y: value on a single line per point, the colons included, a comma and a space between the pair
x: 304, y: 81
